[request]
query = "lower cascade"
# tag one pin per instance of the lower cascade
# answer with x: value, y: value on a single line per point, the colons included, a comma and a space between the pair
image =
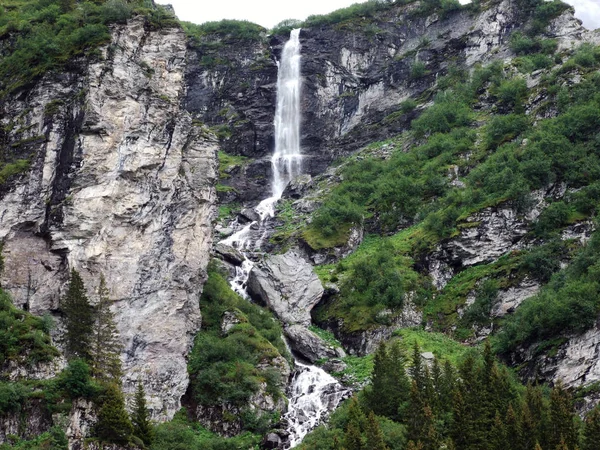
x: 312, y: 392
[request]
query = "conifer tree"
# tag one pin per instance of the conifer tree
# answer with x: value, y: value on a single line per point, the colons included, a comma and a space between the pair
x: 591, y: 431
x: 513, y: 429
x: 374, y: 435
x: 447, y: 387
x: 436, y: 381
x: 140, y: 417
x: 537, y: 446
x: 539, y: 414
x: 412, y: 446
x: 353, y: 437
x: 415, y: 420
x: 106, y: 345
x: 389, y: 386
x: 79, y: 319
x: 497, y: 439
x: 430, y: 436
x: 562, y: 415
x: 416, y: 371
x: 113, y: 421
x: 528, y: 427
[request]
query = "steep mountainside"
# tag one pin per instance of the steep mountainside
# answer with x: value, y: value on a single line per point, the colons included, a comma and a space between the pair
x: 448, y: 197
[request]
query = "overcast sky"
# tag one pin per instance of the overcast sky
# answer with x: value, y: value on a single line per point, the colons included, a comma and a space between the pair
x: 270, y: 12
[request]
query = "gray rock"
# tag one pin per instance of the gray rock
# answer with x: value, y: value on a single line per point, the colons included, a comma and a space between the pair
x: 249, y: 215
x: 288, y: 285
x: 230, y: 254
x: 122, y: 185
x: 310, y: 346
x: 272, y: 441
x: 334, y: 366
x: 229, y: 320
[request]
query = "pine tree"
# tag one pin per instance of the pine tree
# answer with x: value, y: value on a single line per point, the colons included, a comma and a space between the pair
x: 562, y: 445
x: 416, y: 371
x: 591, y: 431
x: 562, y: 415
x: 415, y: 420
x: 140, y: 418
x: 106, y: 345
x: 513, y: 429
x: 539, y: 414
x: 537, y: 446
x: 430, y: 438
x: 353, y: 437
x: 412, y: 446
x: 374, y: 435
x: 79, y: 319
x: 497, y: 439
x: 389, y: 386
x: 113, y: 421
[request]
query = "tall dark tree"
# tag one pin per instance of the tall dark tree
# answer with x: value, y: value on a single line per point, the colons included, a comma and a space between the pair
x: 513, y: 430
x: 79, y: 319
x: 389, y: 386
x: 140, y: 417
x: 374, y: 435
x: 562, y: 415
x: 113, y: 423
x: 591, y: 431
x: 106, y: 346
x: 538, y: 409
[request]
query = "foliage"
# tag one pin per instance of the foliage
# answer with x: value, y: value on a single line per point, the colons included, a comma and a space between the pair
x: 223, y: 368
x: 182, y: 434
x: 229, y: 31
x: 106, y: 346
x: 140, y: 417
x: 75, y: 380
x: 78, y: 319
x: 569, y: 303
x: 24, y: 338
x: 113, y: 423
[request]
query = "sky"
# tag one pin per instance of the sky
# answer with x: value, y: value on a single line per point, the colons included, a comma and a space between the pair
x: 270, y: 12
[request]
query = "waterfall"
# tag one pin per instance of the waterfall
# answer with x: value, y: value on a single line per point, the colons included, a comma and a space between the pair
x: 313, y: 393
x: 286, y: 162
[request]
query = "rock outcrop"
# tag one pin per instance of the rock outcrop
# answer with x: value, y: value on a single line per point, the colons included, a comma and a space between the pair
x: 121, y: 184
x: 287, y: 285
x: 310, y: 346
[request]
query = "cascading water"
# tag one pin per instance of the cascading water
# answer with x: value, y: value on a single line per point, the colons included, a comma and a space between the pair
x: 313, y: 392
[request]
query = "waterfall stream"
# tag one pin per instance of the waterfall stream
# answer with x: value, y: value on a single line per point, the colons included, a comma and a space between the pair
x: 312, y: 392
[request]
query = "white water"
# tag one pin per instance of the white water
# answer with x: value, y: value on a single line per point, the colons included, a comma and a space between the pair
x: 313, y: 393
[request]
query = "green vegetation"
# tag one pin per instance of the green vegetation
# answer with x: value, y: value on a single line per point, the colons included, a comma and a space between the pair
x: 181, y: 433
x: 225, y: 368
x: 227, y: 162
x: 45, y: 35
x: 473, y: 404
x: 228, y: 31
x: 23, y: 338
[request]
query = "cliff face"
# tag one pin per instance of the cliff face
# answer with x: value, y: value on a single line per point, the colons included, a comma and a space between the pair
x: 121, y: 184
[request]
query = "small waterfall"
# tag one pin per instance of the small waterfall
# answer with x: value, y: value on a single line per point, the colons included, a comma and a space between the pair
x: 313, y: 393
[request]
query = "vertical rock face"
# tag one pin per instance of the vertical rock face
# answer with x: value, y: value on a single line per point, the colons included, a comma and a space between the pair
x: 121, y: 184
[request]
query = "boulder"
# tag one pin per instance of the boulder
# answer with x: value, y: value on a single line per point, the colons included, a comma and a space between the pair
x: 229, y: 254
x: 287, y: 285
x: 310, y: 346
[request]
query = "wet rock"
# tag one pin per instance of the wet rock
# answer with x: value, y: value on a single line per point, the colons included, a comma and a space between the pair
x: 272, y: 441
x: 310, y: 346
x: 229, y: 254
x: 298, y: 187
x: 334, y: 366
x: 288, y: 286
x: 248, y: 215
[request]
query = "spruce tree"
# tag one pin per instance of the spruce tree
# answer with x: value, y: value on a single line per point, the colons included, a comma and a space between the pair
x: 416, y: 371
x: 389, y: 383
x: 113, y: 421
x: 106, y: 345
x: 513, y: 429
x: 591, y: 431
x: 497, y: 438
x: 140, y: 417
x: 562, y: 415
x: 353, y: 437
x: 78, y: 319
x: 374, y: 435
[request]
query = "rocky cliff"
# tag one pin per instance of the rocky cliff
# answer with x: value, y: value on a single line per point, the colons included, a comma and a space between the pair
x: 120, y: 184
